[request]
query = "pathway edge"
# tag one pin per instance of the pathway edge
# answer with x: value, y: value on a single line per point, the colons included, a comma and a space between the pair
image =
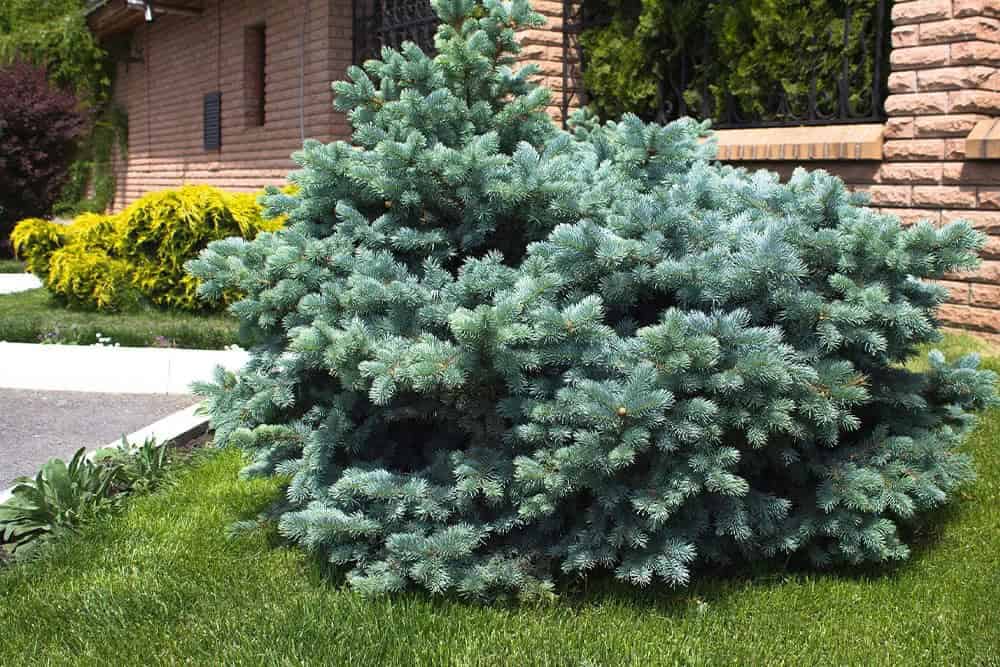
x: 179, y: 426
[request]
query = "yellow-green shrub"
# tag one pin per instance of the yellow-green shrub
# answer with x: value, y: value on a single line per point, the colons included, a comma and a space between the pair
x: 112, y: 261
x: 94, y: 230
x: 89, y: 277
x: 34, y: 240
x: 164, y: 229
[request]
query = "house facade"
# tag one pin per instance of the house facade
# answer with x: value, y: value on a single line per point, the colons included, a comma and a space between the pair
x: 223, y: 91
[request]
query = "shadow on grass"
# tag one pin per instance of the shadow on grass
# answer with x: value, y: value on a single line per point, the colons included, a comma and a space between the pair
x: 711, y: 585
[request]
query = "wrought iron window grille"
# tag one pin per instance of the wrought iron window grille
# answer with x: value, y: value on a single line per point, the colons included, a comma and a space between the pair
x: 379, y: 23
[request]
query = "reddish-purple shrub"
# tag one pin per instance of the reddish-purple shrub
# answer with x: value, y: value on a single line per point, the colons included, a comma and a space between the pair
x: 39, y: 125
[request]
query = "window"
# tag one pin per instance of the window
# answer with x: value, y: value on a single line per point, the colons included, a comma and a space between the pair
x: 212, y: 121
x: 379, y: 23
x: 254, y: 68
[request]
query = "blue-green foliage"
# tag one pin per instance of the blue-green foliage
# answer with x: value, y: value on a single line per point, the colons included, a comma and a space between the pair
x: 488, y: 351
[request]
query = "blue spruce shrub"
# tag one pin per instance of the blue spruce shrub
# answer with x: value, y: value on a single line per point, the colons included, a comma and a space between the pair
x: 489, y: 352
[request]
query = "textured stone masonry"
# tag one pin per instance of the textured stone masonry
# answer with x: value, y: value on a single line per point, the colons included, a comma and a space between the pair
x: 945, y: 80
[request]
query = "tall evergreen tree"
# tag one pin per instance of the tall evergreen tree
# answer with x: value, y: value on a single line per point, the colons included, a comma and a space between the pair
x: 487, y: 351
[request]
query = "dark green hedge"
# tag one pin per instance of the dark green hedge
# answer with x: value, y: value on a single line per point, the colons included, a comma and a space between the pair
x: 750, y: 49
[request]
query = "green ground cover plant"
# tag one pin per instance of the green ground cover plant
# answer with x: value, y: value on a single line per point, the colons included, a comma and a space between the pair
x: 161, y: 581
x: 62, y: 497
x: 11, y: 266
x: 494, y: 354
x: 35, y: 316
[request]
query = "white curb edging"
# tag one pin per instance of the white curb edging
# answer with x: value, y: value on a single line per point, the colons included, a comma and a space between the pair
x: 105, y: 369
x: 180, y: 426
x: 12, y: 283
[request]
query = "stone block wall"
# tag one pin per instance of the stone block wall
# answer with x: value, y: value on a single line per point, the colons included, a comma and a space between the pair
x: 544, y: 47
x: 945, y: 79
x: 309, y: 44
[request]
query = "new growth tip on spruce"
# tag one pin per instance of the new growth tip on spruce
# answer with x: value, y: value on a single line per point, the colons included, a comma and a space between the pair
x: 491, y: 353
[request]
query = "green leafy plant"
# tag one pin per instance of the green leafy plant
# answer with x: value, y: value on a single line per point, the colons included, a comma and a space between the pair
x: 93, y: 167
x: 54, y: 35
x: 62, y: 497
x: 58, y: 499
x: 142, y: 467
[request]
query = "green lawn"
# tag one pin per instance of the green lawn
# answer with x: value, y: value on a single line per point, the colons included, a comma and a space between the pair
x: 34, y: 317
x: 161, y: 585
x: 11, y: 266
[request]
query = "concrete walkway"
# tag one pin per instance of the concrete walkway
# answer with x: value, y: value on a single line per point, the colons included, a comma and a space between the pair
x: 38, y: 425
x: 122, y: 370
x: 59, y: 398
x: 12, y: 283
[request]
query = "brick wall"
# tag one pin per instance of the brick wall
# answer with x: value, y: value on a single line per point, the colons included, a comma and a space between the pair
x: 544, y: 47
x: 946, y: 78
x: 184, y: 57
